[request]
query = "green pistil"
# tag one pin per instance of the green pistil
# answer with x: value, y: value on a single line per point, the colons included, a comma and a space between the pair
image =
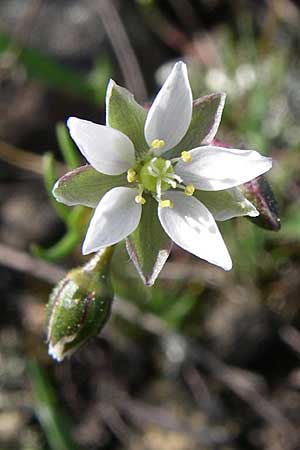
x: 153, y: 172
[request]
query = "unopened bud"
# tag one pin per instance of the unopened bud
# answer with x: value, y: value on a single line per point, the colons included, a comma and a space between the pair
x: 79, y: 306
x: 259, y: 192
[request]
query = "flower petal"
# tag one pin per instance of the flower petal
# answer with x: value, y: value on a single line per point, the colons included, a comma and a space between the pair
x: 191, y: 226
x: 216, y: 168
x: 116, y: 216
x: 85, y: 186
x: 170, y: 114
x: 108, y: 150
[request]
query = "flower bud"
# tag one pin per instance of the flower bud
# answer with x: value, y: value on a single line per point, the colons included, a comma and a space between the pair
x: 79, y: 306
x: 259, y: 192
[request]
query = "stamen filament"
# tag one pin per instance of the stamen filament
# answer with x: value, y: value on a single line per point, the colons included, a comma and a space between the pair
x: 152, y: 171
x: 170, y: 181
x: 158, y: 188
x: 167, y: 166
x: 176, y: 177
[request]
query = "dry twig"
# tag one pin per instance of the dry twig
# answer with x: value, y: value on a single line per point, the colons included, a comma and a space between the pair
x: 123, y: 49
x: 23, y: 159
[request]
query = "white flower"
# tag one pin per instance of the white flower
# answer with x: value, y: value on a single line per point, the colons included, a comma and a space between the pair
x: 171, y: 182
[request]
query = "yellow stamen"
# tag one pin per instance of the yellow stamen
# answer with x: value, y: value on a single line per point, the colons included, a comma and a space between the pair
x: 140, y: 199
x: 186, y: 157
x: 166, y: 204
x: 189, y: 190
x: 157, y: 143
x: 131, y: 175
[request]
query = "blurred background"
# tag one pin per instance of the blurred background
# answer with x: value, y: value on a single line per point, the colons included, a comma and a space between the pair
x: 204, y: 359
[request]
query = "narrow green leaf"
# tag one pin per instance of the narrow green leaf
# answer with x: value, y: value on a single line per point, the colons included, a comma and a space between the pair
x: 46, y: 69
x: 60, y: 249
x: 99, y: 76
x: 126, y: 115
x: 54, y: 422
x: 49, y: 175
x: 206, y: 118
x: 85, y: 186
x: 179, y: 310
x: 226, y: 204
x: 77, y: 220
x: 67, y: 148
x: 149, y: 246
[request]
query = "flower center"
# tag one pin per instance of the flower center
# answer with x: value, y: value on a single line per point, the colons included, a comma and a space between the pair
x: 156, y: 176
x: 154, y: 172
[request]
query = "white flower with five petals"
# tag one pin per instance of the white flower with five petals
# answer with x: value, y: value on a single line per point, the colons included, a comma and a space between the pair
x: 166, y: 171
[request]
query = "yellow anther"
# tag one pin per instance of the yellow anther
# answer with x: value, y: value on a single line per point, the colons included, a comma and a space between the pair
x: 166, y: 204
x: 140, y: 199
x: 157, y: 143
x: 189, y: 190
x: 131, y: 175
x: 186, y: 157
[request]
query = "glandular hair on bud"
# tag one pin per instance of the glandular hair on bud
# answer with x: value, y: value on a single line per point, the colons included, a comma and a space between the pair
x: 79, y: 306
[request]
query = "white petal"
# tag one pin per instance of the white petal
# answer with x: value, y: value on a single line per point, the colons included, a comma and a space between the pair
x: 108, y: 150
x: 170, y: 114
x: 191, y: 226
x: 216, y: 168
x: 116, y: 216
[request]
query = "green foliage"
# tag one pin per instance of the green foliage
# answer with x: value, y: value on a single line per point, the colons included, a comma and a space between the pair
x: 53, y: 420
x: 73, y: 219
x: 43, y: 68
x: 67, y: 148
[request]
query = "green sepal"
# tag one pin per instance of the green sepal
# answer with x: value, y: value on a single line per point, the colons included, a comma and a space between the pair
x: 226, y: 204
x: 126, y: 115
x: 206, y: 118
x: 149, y: 246
x: 79, y: 306
x: 85, y: 186
x: 259, y: 192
